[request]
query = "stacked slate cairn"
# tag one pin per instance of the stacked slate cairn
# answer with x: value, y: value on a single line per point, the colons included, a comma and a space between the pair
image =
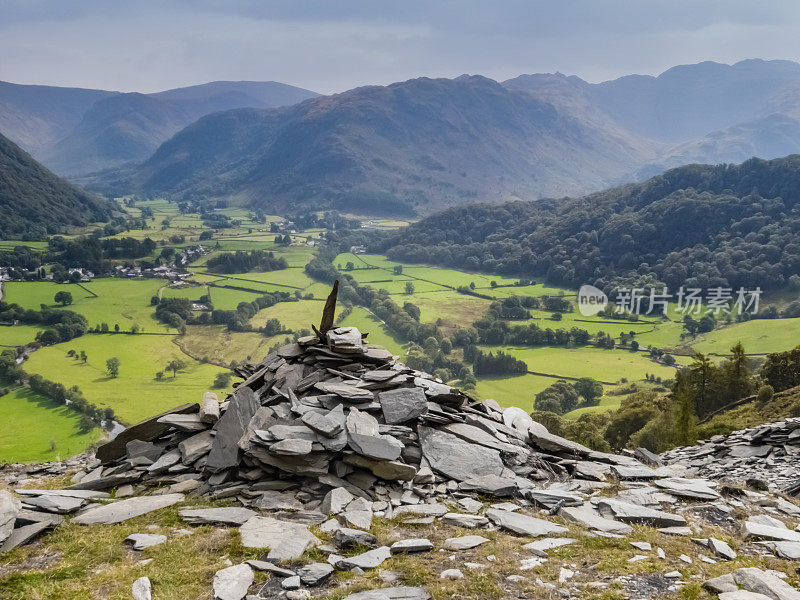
x: 332, y: 431
x: 764, y: 457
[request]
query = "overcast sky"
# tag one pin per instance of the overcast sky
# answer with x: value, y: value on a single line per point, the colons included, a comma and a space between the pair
x: 333, y: 45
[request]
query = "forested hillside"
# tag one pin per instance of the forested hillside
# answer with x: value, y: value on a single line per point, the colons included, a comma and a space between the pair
x: 698, y: 225
x: 34, y: 202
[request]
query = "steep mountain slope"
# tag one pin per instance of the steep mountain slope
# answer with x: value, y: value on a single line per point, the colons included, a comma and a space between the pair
x: 34, y: 202
x: 36, y: 116
x: 695, y: 226
x: 420, y: 144
x: 75, y: 132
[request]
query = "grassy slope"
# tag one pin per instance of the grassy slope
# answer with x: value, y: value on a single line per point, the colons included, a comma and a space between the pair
x: 18, y: 335
x: 136, y: 393
x: 37, y: 422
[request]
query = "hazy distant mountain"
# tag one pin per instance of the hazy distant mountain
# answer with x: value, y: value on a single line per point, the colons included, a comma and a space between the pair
x: 34, y: 202
x: 36, y: 116
x: 417, y: 145
x: 77, y: 131
x: 704, y: 113
x: 429, y: 143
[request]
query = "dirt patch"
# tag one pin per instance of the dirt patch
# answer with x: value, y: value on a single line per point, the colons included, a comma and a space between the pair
x: 40, y: 562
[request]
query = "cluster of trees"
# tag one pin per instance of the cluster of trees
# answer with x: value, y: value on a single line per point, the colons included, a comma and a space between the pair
x: 330, y: 220
x: 661, y: 421
x: 498, y: 364
x: 62, y: 325
x: 495, y: 331
x: 781, y: 370
x: 562, y: 396
x: 244, y: 261
x: 177, y: 313
x: 436, y: 357
x: 94, y: 253
x: 697, y: 226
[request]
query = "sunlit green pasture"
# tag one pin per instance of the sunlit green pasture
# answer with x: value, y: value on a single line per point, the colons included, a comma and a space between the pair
x: 37, y: 429
x: 136, y: 393
x: 18, y: 335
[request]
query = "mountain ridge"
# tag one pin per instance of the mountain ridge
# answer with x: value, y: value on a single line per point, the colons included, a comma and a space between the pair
x: 75, y: 131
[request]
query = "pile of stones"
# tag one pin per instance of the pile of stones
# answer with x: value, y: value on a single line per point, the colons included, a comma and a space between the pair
x: 762, y: 457
x: 333, y: 432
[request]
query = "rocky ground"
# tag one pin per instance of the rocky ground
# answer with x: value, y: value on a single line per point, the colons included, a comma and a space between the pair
x: 336, y: 472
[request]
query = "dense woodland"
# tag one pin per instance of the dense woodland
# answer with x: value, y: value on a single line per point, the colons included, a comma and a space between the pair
x: 34, y: 203
x: 695, y: 226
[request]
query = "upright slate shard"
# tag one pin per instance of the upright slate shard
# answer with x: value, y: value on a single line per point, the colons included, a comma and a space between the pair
x: 230, y: 427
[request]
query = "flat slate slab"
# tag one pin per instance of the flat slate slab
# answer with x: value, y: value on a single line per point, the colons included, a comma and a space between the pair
x: 227, y: 515
x: 588, y: 517
x: 122, y: 510
x: 392, y: 593
x: 457, y: 459
x: 285, y: 540
x: 523, y: 524
x: 633, y: 513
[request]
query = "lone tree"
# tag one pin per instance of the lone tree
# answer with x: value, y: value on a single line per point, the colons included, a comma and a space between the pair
x: 84, y: 358
x: 175, y: 365
x: 409, y: 287
x: 112, y: 365
x: 63, y: 298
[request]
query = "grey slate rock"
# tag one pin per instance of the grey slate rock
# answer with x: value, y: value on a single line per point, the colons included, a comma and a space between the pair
x: 385, y: 469
x: 457, y: 459
x: 227, y: 515
x: 230, y: 427
x: 377, y: 447
x: 755, y: 580
x: 55, y: 504
x: 522, y: 524
x: 411, y: 545
x: 233, y: 582
x: 292, y: 447
x: 285, y: 540
x: 327, y: 424
x: 370, y: 559
x: 402, y: 404
x: 633, y: 513
x: 123, y: 510
x: 195, y: 447
x: 588, y: 517
x: 140, y: 541
x: 22, y: 535
x: 464, y: 542
x: 392, y: 593
x: 146, y: 430
x: 315, y: 573
x: 344, y: 537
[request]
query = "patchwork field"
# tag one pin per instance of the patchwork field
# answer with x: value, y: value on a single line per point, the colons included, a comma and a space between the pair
x: 39, y: 430
x: 113, y: 301
x: 758, y: 336
x: 217, y: 345
x: 136, y: 393
x: 294, y: 315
